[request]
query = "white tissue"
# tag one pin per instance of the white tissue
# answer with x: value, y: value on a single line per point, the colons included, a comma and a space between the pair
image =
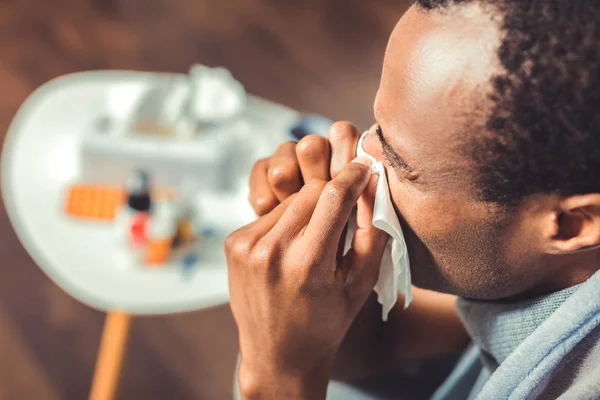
x: 394, y: 272
x: 216, y: 95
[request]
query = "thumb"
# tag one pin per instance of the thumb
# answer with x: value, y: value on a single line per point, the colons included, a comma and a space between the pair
x: 362, y: 262
x: 366, y: 203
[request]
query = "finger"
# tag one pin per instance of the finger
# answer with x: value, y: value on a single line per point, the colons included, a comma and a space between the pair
x: 360, y: 272
x: 261, y: 196
x: 284, y: 171
x: 366, y: 204
x: 313, y: 154
x: 294, y: 220
x: 343, y: 137
x: 361, y: 264
x: 239, y: 244
x: 262, y: 226
x: 345, y: 240
x: 335, y: 205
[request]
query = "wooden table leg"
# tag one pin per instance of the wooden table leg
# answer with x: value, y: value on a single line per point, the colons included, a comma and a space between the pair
x: 110, y: 355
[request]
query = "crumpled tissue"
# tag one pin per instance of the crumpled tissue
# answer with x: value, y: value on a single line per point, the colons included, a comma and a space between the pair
x: 394, y: 272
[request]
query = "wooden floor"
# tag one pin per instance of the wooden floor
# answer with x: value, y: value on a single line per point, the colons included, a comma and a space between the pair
x: 316, y: 55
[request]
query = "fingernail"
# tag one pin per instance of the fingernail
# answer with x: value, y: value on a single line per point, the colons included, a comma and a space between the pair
x: 363, y: 160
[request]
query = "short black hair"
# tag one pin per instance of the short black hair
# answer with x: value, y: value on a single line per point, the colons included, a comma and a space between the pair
x: 433, y: 4
x: 542, y: 134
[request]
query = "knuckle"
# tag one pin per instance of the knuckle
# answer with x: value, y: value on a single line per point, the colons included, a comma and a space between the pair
x: 289, y: 202
x: 262, y: 162
x: 315, y: 186
x: 230, y: 242
x: 259, y: 169
x: 284, y: 147
x: 265, y: 260
x: 265, y: 254
x: 337, y: 194
x: 342, y: 131
x: 283, y: 174
x: 238, y: 247
x: 259, y: 166
x: 262, y: 204
x: 358, y: 170
x: 312, y: 147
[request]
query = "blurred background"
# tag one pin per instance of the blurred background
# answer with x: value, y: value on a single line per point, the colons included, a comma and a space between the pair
x: 321, y: 56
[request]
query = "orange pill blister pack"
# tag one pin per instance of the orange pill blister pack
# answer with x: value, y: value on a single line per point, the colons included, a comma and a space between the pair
x: 99, y: 203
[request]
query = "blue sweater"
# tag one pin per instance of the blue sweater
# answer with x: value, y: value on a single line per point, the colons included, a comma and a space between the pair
x: 543, y: 348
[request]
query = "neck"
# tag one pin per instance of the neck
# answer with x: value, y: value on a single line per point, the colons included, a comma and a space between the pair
x: 563, y: 271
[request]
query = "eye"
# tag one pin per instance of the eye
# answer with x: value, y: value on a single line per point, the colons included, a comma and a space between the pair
x: 379, y: 133
x: 386, y: 156
x: 392, y: 159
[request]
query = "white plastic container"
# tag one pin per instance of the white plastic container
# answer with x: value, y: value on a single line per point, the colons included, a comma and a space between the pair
x: 180, y: 129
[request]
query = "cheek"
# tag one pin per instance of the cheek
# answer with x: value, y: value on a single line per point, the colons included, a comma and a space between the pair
x: 428, y: 216
x: 431, y: 226
x: 453, y: 244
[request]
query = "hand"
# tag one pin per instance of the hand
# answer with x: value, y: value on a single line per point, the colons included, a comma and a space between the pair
x: 275, y: 178
x: 292, y: 296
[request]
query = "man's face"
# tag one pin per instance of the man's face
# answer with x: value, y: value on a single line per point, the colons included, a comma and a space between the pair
x: 436, y: 69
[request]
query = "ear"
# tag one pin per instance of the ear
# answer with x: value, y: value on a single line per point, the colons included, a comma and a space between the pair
x: 576, y: 225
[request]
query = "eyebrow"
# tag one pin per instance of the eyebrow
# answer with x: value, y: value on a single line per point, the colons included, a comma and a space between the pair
x: 391, y: 154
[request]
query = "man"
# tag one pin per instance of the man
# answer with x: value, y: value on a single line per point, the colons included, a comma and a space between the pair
x: 488, y: 125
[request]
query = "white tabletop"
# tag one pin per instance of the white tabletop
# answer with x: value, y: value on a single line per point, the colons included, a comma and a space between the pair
x: 41, y: 158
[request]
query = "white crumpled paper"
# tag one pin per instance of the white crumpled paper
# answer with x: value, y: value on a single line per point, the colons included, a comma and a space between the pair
x: 394, y: 272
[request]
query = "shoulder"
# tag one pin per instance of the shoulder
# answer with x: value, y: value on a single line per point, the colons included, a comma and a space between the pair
x: 577, y: 376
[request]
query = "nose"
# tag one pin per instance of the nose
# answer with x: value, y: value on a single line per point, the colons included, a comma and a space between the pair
x: 371, y: 144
